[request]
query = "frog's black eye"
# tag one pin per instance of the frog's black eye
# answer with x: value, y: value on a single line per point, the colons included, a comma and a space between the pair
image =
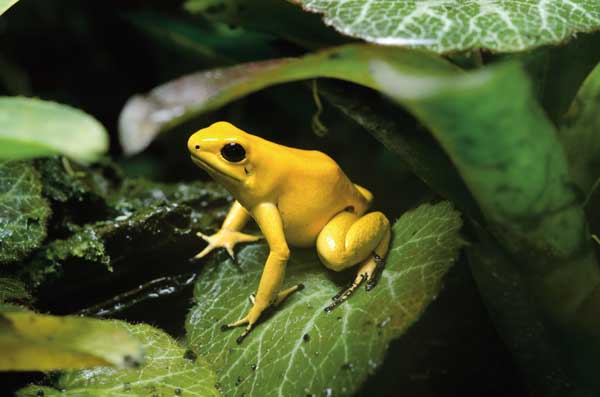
x: 233, y: 152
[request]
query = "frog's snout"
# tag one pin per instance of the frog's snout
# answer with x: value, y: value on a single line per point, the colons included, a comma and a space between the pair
x: 193, y: 145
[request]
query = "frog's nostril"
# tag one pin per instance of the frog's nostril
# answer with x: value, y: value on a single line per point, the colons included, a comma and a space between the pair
x: 197, y: 147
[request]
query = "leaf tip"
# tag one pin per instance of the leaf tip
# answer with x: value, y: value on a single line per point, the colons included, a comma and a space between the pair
x: 137, y: 125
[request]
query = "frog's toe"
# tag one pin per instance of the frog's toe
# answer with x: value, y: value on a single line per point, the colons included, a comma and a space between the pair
x: 205, y: 251
x: 243, y: 321
x: 376, y: 273
x: 229, y: 248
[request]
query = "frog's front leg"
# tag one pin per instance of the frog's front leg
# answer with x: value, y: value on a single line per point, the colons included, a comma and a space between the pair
x: 349, y: 239
x: 229, y: 234
x: 269, y: 220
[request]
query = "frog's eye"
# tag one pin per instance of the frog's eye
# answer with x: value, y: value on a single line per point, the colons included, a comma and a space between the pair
x: 233, y: 152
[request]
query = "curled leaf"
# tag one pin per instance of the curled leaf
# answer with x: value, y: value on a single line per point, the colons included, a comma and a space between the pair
x: 145, y: 116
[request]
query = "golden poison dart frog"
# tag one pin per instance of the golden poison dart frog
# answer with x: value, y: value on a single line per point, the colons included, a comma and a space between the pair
x: 297, y: 198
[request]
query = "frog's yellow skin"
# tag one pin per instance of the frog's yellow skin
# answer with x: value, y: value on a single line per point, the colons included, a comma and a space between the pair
x: 297, y: 197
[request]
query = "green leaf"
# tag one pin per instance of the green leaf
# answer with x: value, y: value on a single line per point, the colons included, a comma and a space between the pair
x: 301, y: 350
x: 169, y: 370
x: 23, y: 210
x: 143, y: 117
x: 31, y: 341
x: 507, y: 151
x: 32, y: 128
x: 6, y: 4
x: 579, y: 134
x: 454, y: 25
x: 12, y: 289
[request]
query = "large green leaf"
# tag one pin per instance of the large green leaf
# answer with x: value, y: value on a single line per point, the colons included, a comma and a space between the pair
x: 301, y: 350
x: 30, y: 341
x: 510, y: 158
x: 23, y: 210
x: 144, y: 116
x: 456, y: 25
x: 31, y: 128
x: 169, y: 370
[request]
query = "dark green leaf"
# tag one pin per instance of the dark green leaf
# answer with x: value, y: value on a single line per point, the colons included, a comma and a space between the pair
x: 520, y: 322
x: 23, y: 210
x: 301, y: 350
x: 579, y: 134
x: 167, y: 371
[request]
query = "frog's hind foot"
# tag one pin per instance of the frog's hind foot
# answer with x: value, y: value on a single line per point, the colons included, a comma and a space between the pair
x: 345, y: 293
x: 376, y: 275
x: 370, y: 272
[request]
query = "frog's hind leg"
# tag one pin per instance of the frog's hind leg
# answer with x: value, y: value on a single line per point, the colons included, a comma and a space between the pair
x: 349, y: 239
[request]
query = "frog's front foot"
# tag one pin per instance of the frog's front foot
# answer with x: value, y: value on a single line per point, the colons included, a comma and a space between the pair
x: 224, y: 239
x: 257, y: 310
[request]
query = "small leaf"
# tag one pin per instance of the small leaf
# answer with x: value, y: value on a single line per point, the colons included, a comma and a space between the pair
x: 458, y: 25
x: 144, y: 116
x: 31, y: 128
x: 301, y: 350
x: 23, y: 210
x: 6, y: 4
x: 579, y: 134
x: 169, y: 370
x: 30, y: 341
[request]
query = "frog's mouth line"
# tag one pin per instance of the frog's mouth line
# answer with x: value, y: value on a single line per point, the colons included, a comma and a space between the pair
x: 205, y: 165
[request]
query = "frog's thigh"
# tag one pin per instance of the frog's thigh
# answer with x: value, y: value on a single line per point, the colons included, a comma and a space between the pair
x: 349, y: 239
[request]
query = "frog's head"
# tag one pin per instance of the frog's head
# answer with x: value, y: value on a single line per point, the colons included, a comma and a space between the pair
x: 223, y: 150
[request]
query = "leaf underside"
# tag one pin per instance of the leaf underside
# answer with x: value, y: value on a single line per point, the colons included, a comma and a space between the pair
x: 459, y: 25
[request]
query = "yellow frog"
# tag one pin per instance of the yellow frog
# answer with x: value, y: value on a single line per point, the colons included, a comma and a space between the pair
x: 297, y: 197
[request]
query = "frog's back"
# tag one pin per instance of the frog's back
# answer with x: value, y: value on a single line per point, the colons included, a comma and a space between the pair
x: 318, y: 190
